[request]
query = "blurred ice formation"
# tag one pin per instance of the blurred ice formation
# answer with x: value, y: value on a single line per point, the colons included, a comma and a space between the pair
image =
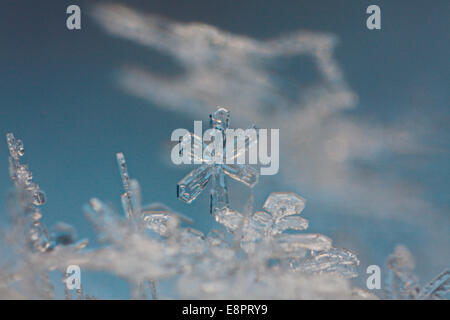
x: 258, y: 259
x: 27, y: 243
x: 402, y: 283
x: 263, y: 233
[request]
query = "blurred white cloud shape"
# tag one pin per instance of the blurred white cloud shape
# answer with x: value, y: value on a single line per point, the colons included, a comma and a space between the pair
x: 321, y: 143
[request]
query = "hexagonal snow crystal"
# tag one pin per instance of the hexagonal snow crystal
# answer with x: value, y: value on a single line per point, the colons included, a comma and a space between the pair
x: 281, y: 204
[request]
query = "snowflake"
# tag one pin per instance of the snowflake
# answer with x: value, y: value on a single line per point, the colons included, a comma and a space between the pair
x: 214, y: 171
x: 265, y: 232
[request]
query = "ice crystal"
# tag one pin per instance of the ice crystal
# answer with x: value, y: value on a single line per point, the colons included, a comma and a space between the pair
x: 264, y: 231
x: 156, y: 216
x: 30, y: 242
x: 29, y: 198
x: 29, y: 195
x: 402, y: 283
x: 213, y: 171
x: 260, y: 255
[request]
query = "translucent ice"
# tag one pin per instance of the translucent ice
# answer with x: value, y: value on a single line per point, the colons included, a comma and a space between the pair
x: 282, y: 204
x: 242, y: 173
x: 194, y: 183
x: 402, y: 283
x: 438, y: 288
x: 212, y: 171
x: 220, y: 119
x: 29, y: 195
x: 291, y: 243
x: 334, y: 260
x: 258, y: 259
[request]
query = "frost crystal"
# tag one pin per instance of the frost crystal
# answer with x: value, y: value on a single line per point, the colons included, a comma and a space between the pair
x: 402, y: 283
x: 261, y: 257
x: 156, y: 216
x: 29, y: 199
x: 212, y: 171
x: 262, y: 231
x: 30, y: 196
x: 31, y: 245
